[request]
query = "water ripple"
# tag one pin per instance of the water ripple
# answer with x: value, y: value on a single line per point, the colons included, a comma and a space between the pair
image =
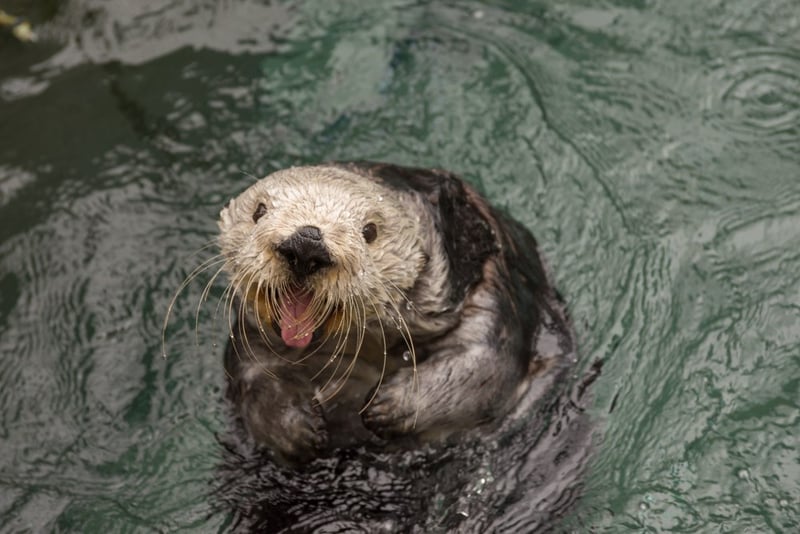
x: 756, y: 95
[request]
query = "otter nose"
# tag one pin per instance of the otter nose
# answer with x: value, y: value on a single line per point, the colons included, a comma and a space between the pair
x: 304, y: 251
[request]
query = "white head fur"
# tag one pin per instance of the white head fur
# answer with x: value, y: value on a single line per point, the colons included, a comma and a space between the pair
x: 367, y: 280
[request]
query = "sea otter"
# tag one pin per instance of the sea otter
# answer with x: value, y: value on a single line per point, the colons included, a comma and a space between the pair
x: 374, y: 303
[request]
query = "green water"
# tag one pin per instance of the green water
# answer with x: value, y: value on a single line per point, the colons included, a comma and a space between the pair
x: 652, y: 147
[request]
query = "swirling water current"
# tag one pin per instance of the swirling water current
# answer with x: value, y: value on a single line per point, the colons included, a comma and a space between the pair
x: 653, y: 147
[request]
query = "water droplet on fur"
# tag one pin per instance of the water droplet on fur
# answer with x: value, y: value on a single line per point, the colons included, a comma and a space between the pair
x: 408, y: 305
x: 744, y: 474
x: 362, y: 273
x: 406, y: 355
x: 380, y: 198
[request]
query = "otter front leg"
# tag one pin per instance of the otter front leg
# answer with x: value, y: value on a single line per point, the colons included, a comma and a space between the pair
x: 471, y: 376
x: 279, y: 412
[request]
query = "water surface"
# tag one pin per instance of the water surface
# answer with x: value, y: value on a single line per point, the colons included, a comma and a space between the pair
x: 652, y: 147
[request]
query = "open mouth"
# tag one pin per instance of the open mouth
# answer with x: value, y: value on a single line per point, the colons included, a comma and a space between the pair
x: 294, y: 315
x: 295, y: 324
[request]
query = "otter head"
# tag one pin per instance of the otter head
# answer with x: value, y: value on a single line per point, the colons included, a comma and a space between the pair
x: 312, y: 248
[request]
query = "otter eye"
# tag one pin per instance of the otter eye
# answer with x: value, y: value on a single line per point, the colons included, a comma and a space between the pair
x: 370, y: 232
x: 261, y: 209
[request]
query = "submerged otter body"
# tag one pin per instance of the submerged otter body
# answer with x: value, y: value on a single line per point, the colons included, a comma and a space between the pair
x: 383, y: 310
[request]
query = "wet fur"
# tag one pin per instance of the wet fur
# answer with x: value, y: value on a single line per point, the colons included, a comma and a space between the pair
x: 452, y: 284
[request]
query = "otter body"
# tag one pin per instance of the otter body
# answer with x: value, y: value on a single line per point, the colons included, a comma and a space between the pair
x: 384, y: 305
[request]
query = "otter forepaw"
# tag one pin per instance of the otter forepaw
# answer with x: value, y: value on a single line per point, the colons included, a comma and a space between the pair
x: 292, y: 426
x: 391, y: 410
x: 306, y: 432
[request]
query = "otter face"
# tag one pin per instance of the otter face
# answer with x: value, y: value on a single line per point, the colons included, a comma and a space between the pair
x: 315, y: 247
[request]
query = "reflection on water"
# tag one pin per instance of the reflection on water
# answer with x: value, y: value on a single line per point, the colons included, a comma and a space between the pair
x: 651, y: 149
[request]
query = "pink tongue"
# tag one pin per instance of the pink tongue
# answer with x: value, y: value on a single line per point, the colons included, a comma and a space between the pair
x: 296, y: 330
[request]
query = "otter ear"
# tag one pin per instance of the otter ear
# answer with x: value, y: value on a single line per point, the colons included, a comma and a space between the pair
x: 225, y: 219
x: 459, y: 215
